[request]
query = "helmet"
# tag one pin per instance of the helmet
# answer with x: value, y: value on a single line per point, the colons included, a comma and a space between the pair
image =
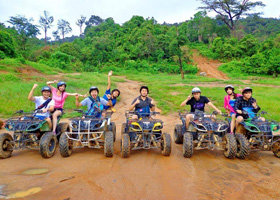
x: 144, y: 87
x: 247, y: 89
x: 60, y: 83
x: 46, y: 88
x: 196, y: 90
x: 117, y: 91
x: 93, y: 88
x: 229, y: 86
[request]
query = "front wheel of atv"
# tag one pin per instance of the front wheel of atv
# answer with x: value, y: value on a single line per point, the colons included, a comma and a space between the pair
x: 61, y: 128
x: 243, y: 146
x: 125, y: 146
x: 65, y: 146
x: 188, y: 145
x: 166, y: 144
x: 47, y: 145
x: 230, y: 146
x: 276, y: 146
x: 5, y: 152
x: 178, y: 137
x: 112, y: 128
x: 109, y: 144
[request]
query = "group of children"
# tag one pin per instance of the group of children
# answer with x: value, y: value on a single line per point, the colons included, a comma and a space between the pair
x: 234, y: 103
x: 47, y: 104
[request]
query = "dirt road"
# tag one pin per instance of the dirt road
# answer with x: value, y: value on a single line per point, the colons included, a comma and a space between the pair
x: 87, y: 174
x: 210, y: 67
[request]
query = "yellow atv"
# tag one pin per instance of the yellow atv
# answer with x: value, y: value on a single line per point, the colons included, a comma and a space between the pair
x: 143, y: 133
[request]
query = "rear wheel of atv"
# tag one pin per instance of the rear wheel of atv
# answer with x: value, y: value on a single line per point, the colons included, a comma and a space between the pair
x: 109, y: 144
x: 166, y: 144
x: 188, y: 145
x: 178, y: 137
x: 112, y: 128
x: 123, y: 128
x: 5, y: 152
x: 243, y: 146
x: 47, y: 145
x: 276, y: 146
x: 125, y: 146
x: 230, y: 146
x: 61, y: 128
x: 65, y: 146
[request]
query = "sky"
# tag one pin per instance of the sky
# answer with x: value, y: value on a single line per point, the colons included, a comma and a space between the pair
x: 170, y: 11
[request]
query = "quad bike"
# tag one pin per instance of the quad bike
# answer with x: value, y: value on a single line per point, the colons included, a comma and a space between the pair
x: 29, y: 132
x: 143, y: 133
x: 91, y: 131
x: 204, y: 131
x: 258, y: 135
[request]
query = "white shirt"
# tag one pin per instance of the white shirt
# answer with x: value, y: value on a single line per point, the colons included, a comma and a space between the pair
x: 39, y: 101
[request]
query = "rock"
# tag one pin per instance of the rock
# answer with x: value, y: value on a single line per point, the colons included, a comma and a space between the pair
x: 202, y: 74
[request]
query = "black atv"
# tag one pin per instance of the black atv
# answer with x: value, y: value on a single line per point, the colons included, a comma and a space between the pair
x: 29, y: 132
x: 259, y: 134
x: 143, y: 133
x: 91, y: 131
x: 205, y: 131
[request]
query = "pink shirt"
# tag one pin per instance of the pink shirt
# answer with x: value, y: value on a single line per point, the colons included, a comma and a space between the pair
x: 58, y: 100
x: 226, y: 102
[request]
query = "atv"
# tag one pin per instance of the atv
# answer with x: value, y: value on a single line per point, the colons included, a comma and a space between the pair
x: 259, y: 135
x: 29, y: 132
x: 143, y: 133
x: 205, y: 131
x: 91, y: 131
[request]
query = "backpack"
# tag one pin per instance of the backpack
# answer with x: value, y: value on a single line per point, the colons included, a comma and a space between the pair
x: 96, y: 107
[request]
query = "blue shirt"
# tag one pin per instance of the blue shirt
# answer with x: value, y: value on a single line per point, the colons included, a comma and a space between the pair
x: 87, y: 102
x: 114, y: 101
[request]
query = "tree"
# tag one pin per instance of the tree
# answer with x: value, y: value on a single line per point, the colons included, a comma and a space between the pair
x: 80, y: 23
x: 25, y: 29
x: 94, y: 20
x: 45, y: 23
x: 230, y: 11
x: 63, y: 27
x: 56, y: 35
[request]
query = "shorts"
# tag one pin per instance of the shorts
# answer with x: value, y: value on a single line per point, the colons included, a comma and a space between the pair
x: 55, y: 109
x: 41, y: 117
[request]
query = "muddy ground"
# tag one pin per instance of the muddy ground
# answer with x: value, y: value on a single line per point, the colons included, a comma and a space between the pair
x: 87, y: 174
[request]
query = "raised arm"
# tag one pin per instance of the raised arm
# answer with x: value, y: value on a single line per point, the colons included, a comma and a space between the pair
x: 185, y: 102
x: 109, y: 79
x: 30, y: 95
x: 51, y: 82
x: 134, y: 103
x: 78, y: 104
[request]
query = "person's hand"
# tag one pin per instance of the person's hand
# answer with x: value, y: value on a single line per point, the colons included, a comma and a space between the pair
x: 44, y: 110
x: 254, y: 104
x: 239, y: 111
x: 108, y: 96
x: 219, y: 111
x: 77, y: 96
x: 240, y: 89
x: 34, y: 86
x: 110, y: 73
x: 189, y: 97
x: 153, y: 102
x: 55, y: 81
x: 137, y: 101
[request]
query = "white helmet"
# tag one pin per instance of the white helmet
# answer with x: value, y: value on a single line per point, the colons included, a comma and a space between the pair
x: 196, y: 90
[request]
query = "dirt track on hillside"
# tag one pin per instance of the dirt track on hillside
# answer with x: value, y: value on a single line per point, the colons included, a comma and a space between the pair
x: 210, y: 67
x: 87, y: 174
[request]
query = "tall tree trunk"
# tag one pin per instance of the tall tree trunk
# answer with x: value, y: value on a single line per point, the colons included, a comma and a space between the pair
x: 45, y: 37
x: 181, y: 68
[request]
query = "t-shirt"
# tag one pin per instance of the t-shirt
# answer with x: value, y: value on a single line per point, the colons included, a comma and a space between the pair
x: 142, y: 104
x: 114, y: 101
x: 200, y: 104
x: 39, y: 101
x: 87, y: 102
x: 58, y: 100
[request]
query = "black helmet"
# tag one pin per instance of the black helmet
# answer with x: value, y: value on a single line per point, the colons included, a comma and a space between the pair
x: 60, y: 83
x: 247, y: 89
x: 46, y: 88
x: 117, y: 91
x: 144, y: 87
x: 229, y: 86
x: 93, y: 88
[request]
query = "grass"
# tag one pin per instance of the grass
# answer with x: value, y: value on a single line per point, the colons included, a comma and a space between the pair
x: 168, y: 90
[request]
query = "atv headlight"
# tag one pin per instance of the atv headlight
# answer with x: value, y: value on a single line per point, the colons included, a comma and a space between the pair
x: 9, y: 126
x: 135, y: 126
x: 157, y: 126
x: 200, y: 127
